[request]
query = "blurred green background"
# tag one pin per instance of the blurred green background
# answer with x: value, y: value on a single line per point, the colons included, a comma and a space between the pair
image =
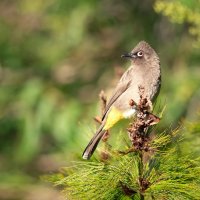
x: 57, y: 55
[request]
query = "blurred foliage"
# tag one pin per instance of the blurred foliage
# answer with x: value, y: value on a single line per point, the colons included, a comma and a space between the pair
x: 56, y: 56
x: 182, y: 11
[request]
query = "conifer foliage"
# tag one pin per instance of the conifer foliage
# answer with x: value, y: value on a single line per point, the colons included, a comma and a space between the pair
x: 152, y: 167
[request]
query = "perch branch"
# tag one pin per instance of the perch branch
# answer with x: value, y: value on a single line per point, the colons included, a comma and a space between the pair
x: 138, y: 133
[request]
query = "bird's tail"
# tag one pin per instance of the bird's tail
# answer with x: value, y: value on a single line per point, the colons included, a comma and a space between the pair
x: 89, y: 150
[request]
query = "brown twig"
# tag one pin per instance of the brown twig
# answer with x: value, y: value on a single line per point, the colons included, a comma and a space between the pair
x: 128, y: 191
x: 144, y: 119
x: 103, y: 100
x: 97, y: 119
x: 138, y: 133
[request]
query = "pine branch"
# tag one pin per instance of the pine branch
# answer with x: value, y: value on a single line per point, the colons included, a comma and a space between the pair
x: 153, y: 167
x: 138, y: 134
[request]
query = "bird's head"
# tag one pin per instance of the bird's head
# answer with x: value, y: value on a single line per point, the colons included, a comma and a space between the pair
x: 143, y: 55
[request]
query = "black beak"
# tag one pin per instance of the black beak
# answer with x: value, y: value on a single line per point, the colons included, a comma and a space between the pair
x: 128, y: 55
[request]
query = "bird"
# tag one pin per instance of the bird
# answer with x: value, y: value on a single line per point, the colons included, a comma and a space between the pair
x: 144, y: 72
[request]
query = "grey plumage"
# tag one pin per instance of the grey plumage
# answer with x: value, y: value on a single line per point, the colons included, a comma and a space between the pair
x: 145, y: 72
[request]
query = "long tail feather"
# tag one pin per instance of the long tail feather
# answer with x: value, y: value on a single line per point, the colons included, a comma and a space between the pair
x: 89, y: 150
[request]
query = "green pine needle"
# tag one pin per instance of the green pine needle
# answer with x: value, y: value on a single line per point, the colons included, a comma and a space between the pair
x: 169, y: 173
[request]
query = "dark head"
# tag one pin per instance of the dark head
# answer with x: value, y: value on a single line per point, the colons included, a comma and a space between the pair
x: 143, y: 54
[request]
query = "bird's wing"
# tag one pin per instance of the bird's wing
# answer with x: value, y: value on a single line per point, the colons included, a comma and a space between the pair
x: 121, y: 88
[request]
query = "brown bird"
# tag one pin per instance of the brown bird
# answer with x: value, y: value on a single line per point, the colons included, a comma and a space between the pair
x: 143, y: 72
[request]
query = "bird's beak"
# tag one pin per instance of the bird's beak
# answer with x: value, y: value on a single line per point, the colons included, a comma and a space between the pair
x: 128, y: 55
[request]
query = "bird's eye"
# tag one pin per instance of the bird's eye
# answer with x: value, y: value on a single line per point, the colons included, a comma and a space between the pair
x: 139, y: 53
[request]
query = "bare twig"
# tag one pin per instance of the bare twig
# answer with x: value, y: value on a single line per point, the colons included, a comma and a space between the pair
x: 98, y: 119
x: 103, y: 100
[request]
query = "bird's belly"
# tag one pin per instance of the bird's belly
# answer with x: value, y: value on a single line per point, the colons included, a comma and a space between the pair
x: 129, y: 113
x: 123, y: 102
